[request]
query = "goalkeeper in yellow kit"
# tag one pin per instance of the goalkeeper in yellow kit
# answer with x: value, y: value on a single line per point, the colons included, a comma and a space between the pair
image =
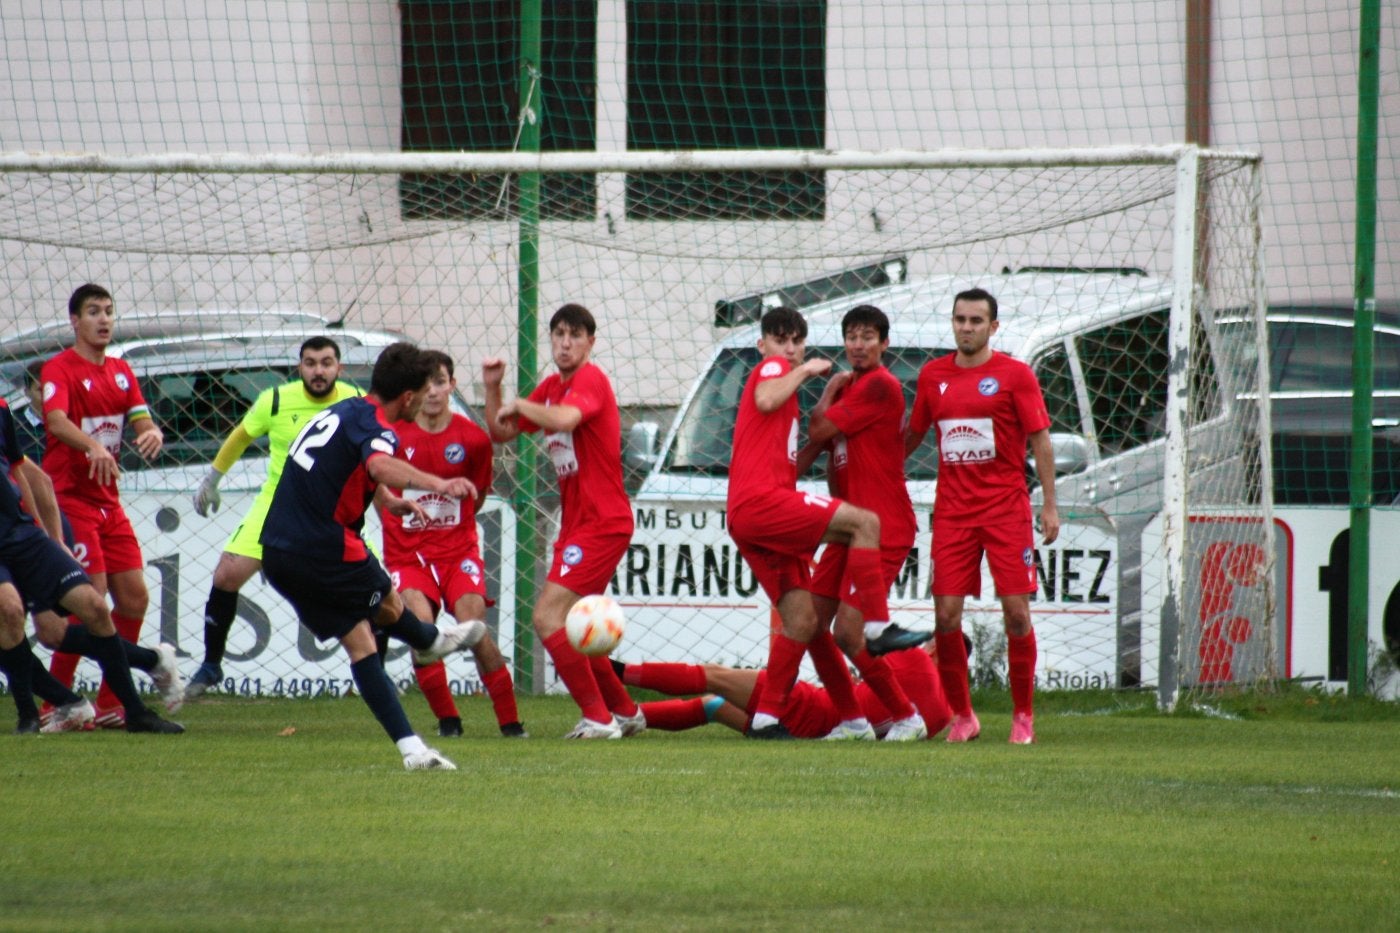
x: 279, y: 414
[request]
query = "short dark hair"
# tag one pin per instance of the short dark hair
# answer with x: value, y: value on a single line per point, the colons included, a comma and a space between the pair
x: 574, y: 315
x: 439, y: 360
x: 319, y: 342
x: 977, y: 294
x: 82, y: 294
x: 866, y: 316
x: 783, y: 321
x: 401, y: 368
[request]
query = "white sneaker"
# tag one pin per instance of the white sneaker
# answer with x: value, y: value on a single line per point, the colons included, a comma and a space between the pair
x: 429, y: 759
x: 71, y: 717
x: 166, y: 674
x: 588, y: 729
x: 459, y: 636
x: 631, y: 725
x: 852, y: 730
x: 909, y: 729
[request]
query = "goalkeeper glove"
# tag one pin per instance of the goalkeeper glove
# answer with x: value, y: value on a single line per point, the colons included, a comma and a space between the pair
x: 206, y: 497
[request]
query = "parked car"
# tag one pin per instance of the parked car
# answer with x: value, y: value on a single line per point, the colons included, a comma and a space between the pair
x: 1310, y: 398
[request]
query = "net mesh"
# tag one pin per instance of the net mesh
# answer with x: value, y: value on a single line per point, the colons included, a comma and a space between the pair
x: 222, y: 251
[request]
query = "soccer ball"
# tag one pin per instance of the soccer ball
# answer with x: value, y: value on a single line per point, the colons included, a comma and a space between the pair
x: 594, y: 625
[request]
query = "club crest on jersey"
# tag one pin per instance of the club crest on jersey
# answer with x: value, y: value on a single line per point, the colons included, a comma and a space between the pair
x: 989, y: 386
x: 122, y: 382
x: 471, y: 568
x: 455, y: 453
x: 1028, y: 557
x: 49, y: 390
x: 770, y: 368
x: 573, y: 554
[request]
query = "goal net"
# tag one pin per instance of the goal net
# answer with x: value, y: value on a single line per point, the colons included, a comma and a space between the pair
x: 1131, y: 282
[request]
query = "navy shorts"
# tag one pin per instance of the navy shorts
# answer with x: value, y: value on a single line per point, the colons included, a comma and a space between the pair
x: 39, y: 567
x: 330, y: 597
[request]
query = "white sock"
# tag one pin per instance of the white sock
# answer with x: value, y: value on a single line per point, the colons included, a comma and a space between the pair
x: 411, y: 744
x: 763, y: 721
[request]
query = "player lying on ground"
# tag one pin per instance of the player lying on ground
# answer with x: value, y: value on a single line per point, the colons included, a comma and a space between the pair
x: 731, y: 696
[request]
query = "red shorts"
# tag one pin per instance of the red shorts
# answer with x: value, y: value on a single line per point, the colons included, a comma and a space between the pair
x: 584, y: 563
x: 957, y: 558
x: 103, y: 539
x: 830, y: 578
x: 809, y: 713
x: 443, y: 582
x: 778, y: 534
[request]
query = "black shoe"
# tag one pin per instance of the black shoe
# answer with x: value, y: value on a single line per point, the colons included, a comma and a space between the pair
x: 514, y: 730
x: 28, y: 727
x: 450, y: 726
x: 894, y: 638
x: 776, y: 731
x: 148, y: 721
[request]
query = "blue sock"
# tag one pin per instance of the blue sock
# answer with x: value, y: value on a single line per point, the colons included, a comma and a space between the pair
x: 712, y: 705
x: 15, y: 663
x: 413, y: 630
x: 378, y: 692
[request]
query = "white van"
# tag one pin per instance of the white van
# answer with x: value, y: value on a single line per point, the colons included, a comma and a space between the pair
x: 1098, y: 342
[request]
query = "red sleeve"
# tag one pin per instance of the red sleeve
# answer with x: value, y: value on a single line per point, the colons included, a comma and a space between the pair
x: 540, y: 395
x: 479, y: 454
x: 1030, y: 403
x: 55, y: 384
x: 589, y: 392
x: 864, y: 403
x: 921, y: 419
x: 134, y: 398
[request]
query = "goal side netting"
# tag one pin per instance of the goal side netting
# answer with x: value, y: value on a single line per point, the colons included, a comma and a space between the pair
x: 1139, y: 265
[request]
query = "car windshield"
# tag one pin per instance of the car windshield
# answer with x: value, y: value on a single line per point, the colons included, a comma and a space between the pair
x: 704, y: 440
x: 196, y: 410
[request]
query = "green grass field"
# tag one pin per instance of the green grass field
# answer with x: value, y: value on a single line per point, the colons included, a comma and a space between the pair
x: 1277, y: 811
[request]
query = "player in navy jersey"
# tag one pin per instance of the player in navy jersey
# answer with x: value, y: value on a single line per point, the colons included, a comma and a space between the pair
x: 38, y: 574
x: 315, y: 556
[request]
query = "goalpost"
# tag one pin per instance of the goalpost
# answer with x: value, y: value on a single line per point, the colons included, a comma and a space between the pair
x: 442, y: 247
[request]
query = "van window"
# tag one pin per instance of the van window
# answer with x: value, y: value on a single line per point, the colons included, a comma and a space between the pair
x: 1057, y: 385
x: 704, y: 439
x: 1125, y: 371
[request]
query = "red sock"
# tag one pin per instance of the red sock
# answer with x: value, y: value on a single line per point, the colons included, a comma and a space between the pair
x: 880, y: 676
x: 432, y: 680
x: 501, y: 689
x: 863, y: 564
x: 673, y: 679
x: 952, y: 670
x: 130, y: 629
x: 577, y: 675
x: 836, y: 676
x: 916, y: 675
x: 784, y: 659
x: 1020, y: 671
x: 64, y: 665
x: 675, y: 715
x: 614, y: 693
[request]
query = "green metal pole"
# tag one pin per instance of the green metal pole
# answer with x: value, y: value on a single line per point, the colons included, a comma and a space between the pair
x: 1359, y: 564
x: 528, y: 518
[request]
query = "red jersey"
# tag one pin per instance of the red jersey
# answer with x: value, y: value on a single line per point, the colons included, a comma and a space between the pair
x: 984, y: 415
x: 867, y: 458
x: 100, y: 399
x: 460, y: 449
x: 765, y: 445
x: 588, y: 459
